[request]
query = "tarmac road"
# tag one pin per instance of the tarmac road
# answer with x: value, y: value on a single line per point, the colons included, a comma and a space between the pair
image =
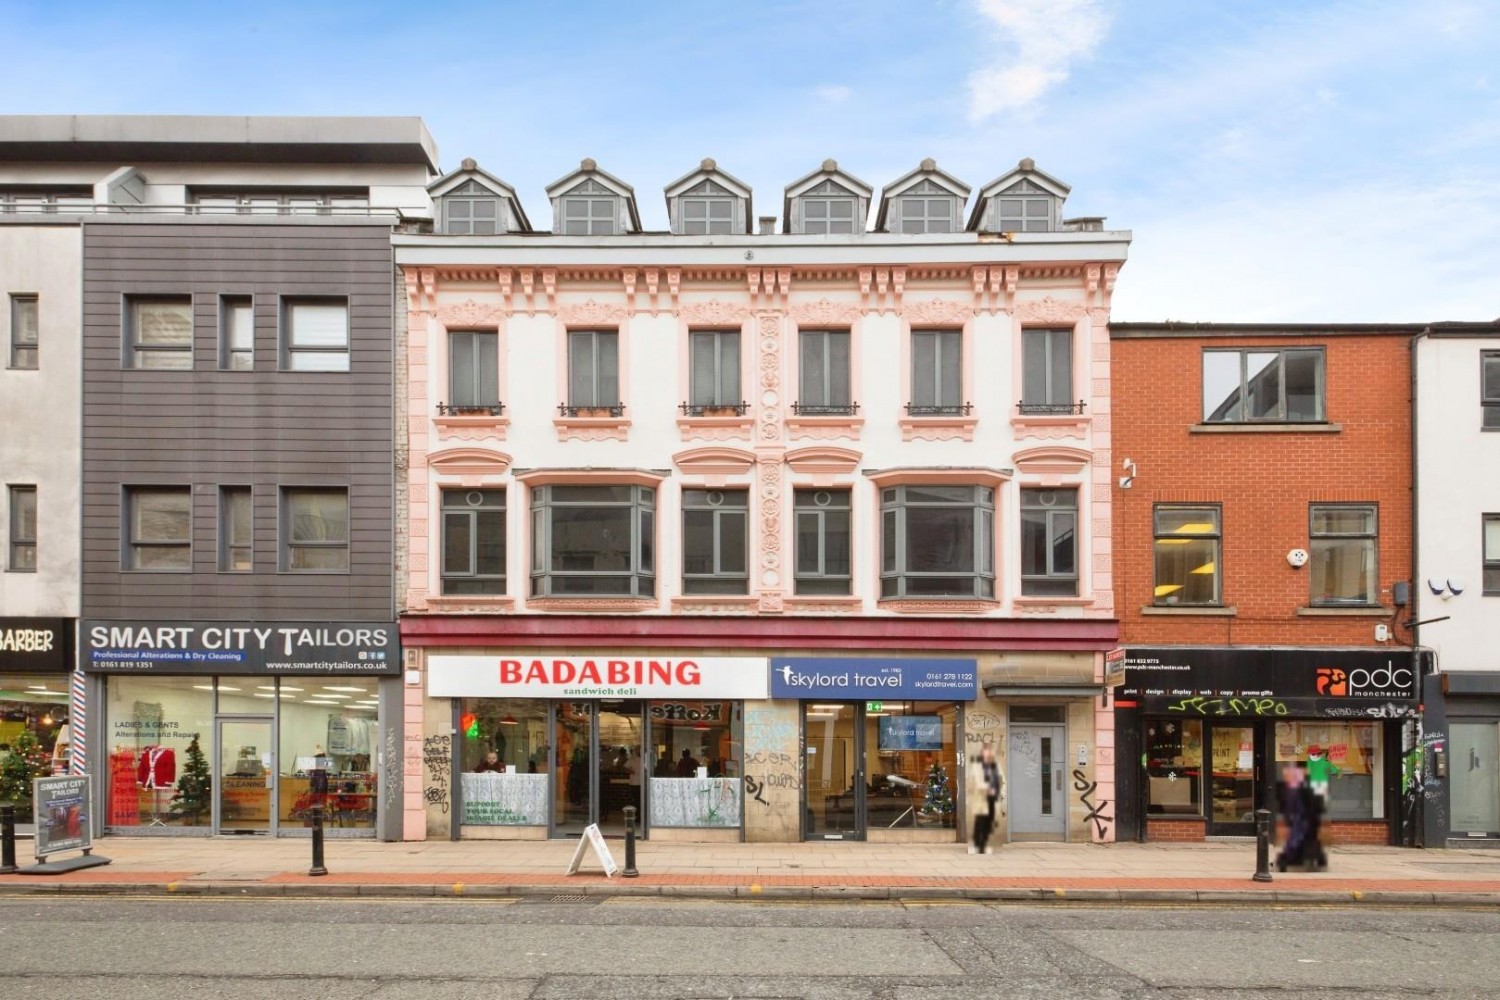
x: 91, y: 948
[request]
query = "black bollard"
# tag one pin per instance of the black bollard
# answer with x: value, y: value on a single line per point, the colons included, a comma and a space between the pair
x: 1262, y: 846
x: 7, y: 840
x: 318, y: 868
x: 630, y: 871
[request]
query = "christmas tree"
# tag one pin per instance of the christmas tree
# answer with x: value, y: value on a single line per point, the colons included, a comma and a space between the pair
x: 25, y: 760
x: 939, y: 798
x: 192, y: 801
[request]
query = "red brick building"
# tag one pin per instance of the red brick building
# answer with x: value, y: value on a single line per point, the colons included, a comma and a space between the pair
x: 1264, y: 520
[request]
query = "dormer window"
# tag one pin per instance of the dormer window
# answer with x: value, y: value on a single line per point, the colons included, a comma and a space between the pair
x: 590, y: 210
x: 471, y: 210
x: 928, y: 209
x: 1025, y: 208
x: 1023, y: 201
x: 828, y: 208
x: 708, y: 202
x: 827, y: 202
x: 707, y: 210
x: 926, y: 200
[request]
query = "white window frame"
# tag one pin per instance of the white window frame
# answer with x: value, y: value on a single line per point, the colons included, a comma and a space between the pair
x: 598, y: 214
x: 135, y: 350
x: 477, y: 513
x: 290, y: 544
x: 896, y: 578
x: 1035, y: 215
x: 134, y: 545
x: 820, y: 582
x: 22, y: 351
x: 294, y: 355
x: 1050, y: 582
x: 917, y: 216
x: 720, y: 505
x: 470, y: 226
x: 825, y: 223
x: 696, y: 215
x: 23, y: 549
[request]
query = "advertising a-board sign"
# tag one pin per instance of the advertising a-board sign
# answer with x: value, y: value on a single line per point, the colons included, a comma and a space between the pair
x: 172, y: 647
x: 61, y: 811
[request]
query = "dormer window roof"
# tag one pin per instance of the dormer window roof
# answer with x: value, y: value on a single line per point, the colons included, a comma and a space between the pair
x: 708, y: 202
x: 826, y: 201
x: 472, y: 202
x: 590, y: 202
x: 1026, y: 200
x: 927, y: 200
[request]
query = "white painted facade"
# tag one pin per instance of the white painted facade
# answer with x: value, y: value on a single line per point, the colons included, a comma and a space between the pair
x: 40, y: 415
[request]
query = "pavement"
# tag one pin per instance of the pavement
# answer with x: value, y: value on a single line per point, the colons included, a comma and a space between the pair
x: 1182, y: 873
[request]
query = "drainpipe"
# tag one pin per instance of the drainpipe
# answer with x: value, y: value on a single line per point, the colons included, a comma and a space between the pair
x: 1417, y: 835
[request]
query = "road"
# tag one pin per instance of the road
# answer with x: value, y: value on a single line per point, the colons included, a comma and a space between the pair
x: 113, y: 947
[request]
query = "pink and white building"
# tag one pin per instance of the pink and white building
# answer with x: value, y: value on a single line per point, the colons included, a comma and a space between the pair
x: 762, y: 531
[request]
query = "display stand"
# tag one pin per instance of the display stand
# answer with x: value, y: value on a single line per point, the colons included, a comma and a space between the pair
x: 593, y: 838
x: 900, y: 782
x: 62, y: 812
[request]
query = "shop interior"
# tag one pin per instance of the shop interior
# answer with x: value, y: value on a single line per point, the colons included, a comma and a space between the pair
x: 37, y: 705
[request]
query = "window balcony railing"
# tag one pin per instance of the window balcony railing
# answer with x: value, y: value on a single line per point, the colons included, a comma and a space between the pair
x: 602, y: 410
x: 470, y: 409
x: 940, y: 410
x: 715, y: 409
x: 1042, y: 409
x: 825, y: 409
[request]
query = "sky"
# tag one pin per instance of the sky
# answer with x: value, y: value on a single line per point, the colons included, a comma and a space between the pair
x: 1275, y: 160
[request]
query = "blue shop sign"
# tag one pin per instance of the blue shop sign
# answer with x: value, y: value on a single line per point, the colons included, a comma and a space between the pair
x: 834, y: 679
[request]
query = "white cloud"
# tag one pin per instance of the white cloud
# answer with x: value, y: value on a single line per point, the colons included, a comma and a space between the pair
x: 1037, y: 41
x: 833, y: 93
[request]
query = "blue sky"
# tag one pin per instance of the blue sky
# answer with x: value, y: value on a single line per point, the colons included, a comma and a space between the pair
x: 1334, y: 161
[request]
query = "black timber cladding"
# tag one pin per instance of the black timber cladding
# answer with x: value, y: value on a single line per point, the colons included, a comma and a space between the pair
x: 267, y: 429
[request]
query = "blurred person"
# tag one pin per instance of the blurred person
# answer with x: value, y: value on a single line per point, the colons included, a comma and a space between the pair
x: 991, y: 783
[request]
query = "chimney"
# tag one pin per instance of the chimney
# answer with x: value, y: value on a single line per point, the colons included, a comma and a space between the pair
x: 767, y: 225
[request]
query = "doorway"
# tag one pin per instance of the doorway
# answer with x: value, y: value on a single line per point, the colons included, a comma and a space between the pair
x: 1236, y: 757
x: 245, y: 777
x: 1036, y: 759
x: 833, y: 766
x: 599, y: 768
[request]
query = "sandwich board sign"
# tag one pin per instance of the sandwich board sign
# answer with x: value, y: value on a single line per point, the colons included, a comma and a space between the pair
x: 593, y: 838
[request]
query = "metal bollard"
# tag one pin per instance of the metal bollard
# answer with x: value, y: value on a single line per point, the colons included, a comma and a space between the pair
x: 1262, y: 846
x: 7, y: 840
x: 318, y: 868
x: 630, y: 871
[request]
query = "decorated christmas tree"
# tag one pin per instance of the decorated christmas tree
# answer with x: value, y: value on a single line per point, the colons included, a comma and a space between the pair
x: 192, y: 800
x: 25, y: 760
x: 939, y: 798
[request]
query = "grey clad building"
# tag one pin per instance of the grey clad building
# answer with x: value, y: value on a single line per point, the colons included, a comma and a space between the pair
x: 235, y: 537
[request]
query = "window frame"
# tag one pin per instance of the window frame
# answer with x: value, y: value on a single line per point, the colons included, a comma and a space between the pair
x: 132, y: 545
x: 1024, y: 221
x: 474, y: 403
x: 18, y: 348
x: 1047, y: 404
x: 1320, y: 390
x: 228, y: 304
x: 702, y: 584
x: 290, y: 351
x: 470, y: 201
x: 19, y: 540
x: 288, y: 545
x: 893, y: 580
x: 1489, y: 559
x: 642, y: 570
x: 826, y: 224
x: 1489, y: 404
x: 717, y: 337
x: 938, y: 406
x: 134, y: 348
x: 1372, y: 598
x: 712, y: 226
x: 592, y: 222
x: 228, y: 545
x: 573, y: 406
x: 1036, y: 584
x: 832, y: 584
x: 1213, y: 511
x: 828, y: 406
x: 925, y: 216
x: 472, y: 514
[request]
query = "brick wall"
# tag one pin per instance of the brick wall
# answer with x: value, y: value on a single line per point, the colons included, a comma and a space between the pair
x: 1175, y: 829
x: 1338, y: 832
x: 1264, y: 482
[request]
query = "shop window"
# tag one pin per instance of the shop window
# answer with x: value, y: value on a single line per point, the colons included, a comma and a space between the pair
x: 502, y: 753
x: 152, y: 725
x: 474, y: 542
x: 1355, y: 751
x: 915, y: 782
x: 1263, y: 386
x: 1343, y: 554
x: 687, y: 737
x: 593, y: 541
x: 715, y: 547
x: 937, y: 541
x: 1174, y: 767
x: 35, y: 704
x: 329, y: 740
x: 823, y: 546
x: 1049, y: 543
x: 1187, y: 556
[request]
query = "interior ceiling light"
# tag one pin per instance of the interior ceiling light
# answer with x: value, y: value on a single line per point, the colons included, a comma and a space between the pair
x: 509, y: 720
x: 351, y: 690
x: 1164, y: 589
x: 1206, y: 569
x: 1194, y: 528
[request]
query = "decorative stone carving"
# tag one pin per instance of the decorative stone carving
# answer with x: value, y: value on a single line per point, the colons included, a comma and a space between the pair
x: 1052, y: 459
x: 464, y: 428
x: 470, y: 313
x: 591, y: 604
x: 714, y: 313
x: 1050, y: 429
x: 591, y: 428
x: 1050, y: 310
x: 822, y: 428
x: 824, y: 461
x: 938, y: 428
x: 720, y: 605
x: 938, y: 312
x: 591, y: 313
x: 825, y: 313
x: 919, y: 607
x: 714, y: 462
x: 469, y: 462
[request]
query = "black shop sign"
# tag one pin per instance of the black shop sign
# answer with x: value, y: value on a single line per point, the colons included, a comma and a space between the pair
x: 1269, y: 683
x: 176, y: 647
x: 36, y: 645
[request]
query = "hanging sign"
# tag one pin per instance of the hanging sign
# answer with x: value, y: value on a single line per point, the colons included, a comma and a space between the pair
x: 584, y: 675
x: 593, y: 838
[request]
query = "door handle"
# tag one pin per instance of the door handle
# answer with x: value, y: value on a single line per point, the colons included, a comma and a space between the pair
x: 1057, y: 779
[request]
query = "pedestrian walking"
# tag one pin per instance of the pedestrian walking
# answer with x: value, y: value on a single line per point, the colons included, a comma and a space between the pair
x: 991, y: 784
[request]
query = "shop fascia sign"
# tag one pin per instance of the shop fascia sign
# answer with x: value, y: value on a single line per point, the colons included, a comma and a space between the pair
x: 35, y: 645
x: 175, y: 647
x: 888, y: 678
x: 589, y: 675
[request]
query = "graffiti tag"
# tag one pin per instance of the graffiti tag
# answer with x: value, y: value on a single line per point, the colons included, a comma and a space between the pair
x: 1230, y: 706
x: 1085, y: 789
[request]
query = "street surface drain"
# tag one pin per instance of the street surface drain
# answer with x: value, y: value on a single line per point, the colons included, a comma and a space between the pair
x: 569, y: 897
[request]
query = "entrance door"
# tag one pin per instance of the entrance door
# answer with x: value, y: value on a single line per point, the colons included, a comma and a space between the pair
x: 245, y: 776
x: 1038, y: 797
x: 598, y: 770
x: 833, y: 765
x: 1234, y: 770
